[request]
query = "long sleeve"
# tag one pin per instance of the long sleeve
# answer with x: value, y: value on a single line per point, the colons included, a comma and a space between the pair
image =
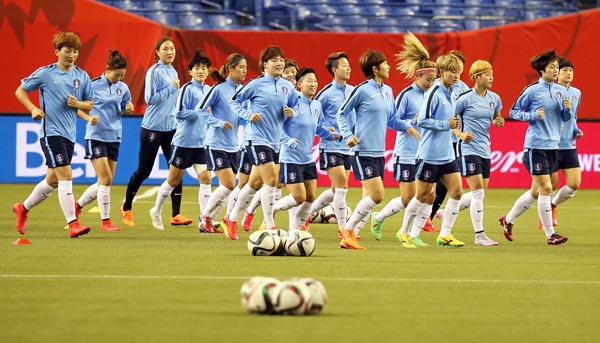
x: 519, y: 111
x: 343, y: 113
x: 237, y: 101
x: 152, y: 94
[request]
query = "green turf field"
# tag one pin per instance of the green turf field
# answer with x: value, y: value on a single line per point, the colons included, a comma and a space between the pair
x: 143, y: 285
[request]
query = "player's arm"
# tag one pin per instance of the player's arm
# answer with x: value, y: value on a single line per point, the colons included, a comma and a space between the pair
x: 23, y: 97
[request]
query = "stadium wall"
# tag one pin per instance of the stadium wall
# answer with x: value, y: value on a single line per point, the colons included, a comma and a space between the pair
x: 23, y: 159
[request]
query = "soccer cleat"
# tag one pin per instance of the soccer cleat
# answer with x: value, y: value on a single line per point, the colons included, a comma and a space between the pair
x: 449, y: 241
x: 483, y: 239
x: 540, y: 225
x: 231, y: 228
x: 76, y: 229
x: 21, y: 214
x: 217, y: 228
x: 156, y: 220
x: 77, y: 209
x: 557, y: 239
x: 507, y: 228
x: 429, y: 226
x: 247, y: 221
x: 416, y: 241
x: 180, y: 219
x: 554, y: 219
x: 107, y: 225
x: 127, y: 216
x: 349, y: 241
x: 305, y: 226
x: 376, y: 226
x: 208, y: 224
x: 405, y: 240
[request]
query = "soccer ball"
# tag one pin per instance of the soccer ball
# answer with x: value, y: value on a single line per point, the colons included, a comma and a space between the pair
x: 328, y: 214
x: 300, y: 243
x: 263, y: 243
x: 291, y: 297
x: 257, y: 293
x: 281, y: 236
x: 316, y: 217
x: 318, y: 293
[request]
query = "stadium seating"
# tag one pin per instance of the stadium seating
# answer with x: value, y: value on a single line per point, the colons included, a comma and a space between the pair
x: 344, y: 15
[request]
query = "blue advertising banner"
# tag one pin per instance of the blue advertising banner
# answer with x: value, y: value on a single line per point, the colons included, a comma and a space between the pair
x: 23, y: 159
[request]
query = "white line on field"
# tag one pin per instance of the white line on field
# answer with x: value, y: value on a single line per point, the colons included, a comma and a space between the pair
x: 217, y: 277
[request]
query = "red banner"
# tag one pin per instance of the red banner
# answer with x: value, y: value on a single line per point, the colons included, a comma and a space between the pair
x: 507, y: 158
x: 27, y: 27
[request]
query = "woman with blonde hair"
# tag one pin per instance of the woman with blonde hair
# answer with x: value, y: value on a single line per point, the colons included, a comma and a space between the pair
x: 414, y: 63
x: 477, y: 108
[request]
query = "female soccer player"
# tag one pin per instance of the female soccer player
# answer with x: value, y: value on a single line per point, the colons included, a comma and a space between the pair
x: 414, y: 63
x: 334, y: 156
x: 438, y: 162
x: 373, y: 103
x: 298, y: 171
x: 567, y: 158
x: 158, y: 127
x: 222, y: 143
x: 189, y: 139
x: 271, y: 99
x: 64, y: 89
x: 478, y: 108
x: 112, y: 99
x: 545, y: 105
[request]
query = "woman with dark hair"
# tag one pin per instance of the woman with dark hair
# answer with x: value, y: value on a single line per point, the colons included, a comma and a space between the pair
x: 112, y: 99
x: 271, y: 100
x: 373, y: 103
x: 158, y: 127
x: 222, y: 145
x: 545, y: 105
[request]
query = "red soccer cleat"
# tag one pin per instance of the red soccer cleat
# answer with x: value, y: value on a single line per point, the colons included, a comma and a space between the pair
x: 77, y: 210
x: 76, y: 229
x: 247, y: 221
x: 21, y: 214
x: 107, y: 225
x: 554, y: 219
x: 231, y: 228
x: 557, y: 239
x: 507, y: 228
x: 429, y: 226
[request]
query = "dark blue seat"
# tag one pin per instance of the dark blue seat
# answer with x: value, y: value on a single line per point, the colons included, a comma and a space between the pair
x: 188, y: 7
x: 165, y: 18
x: 221, y: 22
x: 157, y: 5
x: 128, y: 5
x: 192, y: 21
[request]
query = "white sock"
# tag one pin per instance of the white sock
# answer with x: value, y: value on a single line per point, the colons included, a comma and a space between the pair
x: 256, y: 201
x: 216, y: 202
x: 40, y: 192
x: 324, y: 199
x: 163, y: 193
x: 422, y: 212
x: 394, y: 206
x: 339, y: 205
x: 545, y: 213
x: 232, y: 199
x: 104, y: 201
x: 66, y: 199
x: 301, y: 215
x: 450, y: 214
x: 267, y: 202
x: 477, y: 209
x: 204, y: 193
x: 278, y: 194
x: 292, y: 217
x: 363, y: 209
x: 362, y: 223
x: 89, y: 195
x: 465, y: 201
x: 244, y: 197
x: 285, y: 203
x: 409, y: 215
x: 523, y: 203
x: 563, y: 194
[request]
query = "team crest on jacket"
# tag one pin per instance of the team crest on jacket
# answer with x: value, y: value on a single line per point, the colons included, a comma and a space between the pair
x: 76, y: 83
x: 119, y: 92
x: 559, y: 96
x: 284, y: 90
x: 492, y: 105
x: 316, y: 112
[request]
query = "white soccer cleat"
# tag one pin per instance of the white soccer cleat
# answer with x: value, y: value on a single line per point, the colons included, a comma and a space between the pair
x: 156, y: 220
x: 483, y: 239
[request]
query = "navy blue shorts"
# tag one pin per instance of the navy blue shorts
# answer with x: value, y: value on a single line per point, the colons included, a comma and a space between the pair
x: 474, y: 165
x: 404, y: 172
x: 97, y: 149
x: 290, y: 173
x: 567, y: 159
x: 219, y: 159
x: 334, y: 159
x: 261, y: 154
x: 58, y: 151
x: 184, y: 158
x: 432, y: 173
x: 365, y: 167
x: 540, y: 162
x: 245, y: 164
